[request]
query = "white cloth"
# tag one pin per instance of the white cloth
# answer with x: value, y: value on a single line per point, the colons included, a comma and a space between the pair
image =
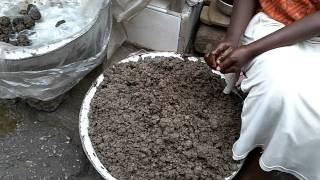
x: 281, y: 113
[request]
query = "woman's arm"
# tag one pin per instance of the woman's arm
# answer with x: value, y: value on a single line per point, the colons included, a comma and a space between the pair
x: 242, y: 13
x: 299, y: 31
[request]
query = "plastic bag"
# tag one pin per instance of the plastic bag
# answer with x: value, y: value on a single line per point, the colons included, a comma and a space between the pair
x: 58, y: 58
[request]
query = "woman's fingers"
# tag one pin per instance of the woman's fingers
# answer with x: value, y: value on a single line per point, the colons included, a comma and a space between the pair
x: 211, y: 60
x: 222, y: 51
x: 224, y: 55
x: 228, y: 62
x: 221, y: 48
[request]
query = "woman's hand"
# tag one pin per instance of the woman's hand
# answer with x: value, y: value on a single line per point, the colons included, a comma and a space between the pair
x: 220, y: 52
x: 243, y: 11
x: 234, y: 60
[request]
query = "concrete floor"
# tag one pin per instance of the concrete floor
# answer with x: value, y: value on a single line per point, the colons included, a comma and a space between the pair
x: 46, y: 145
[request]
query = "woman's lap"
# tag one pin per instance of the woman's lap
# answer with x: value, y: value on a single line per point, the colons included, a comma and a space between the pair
x: 281, y: 112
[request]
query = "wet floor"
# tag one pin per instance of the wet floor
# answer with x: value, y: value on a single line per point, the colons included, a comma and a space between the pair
x: 8, y: 122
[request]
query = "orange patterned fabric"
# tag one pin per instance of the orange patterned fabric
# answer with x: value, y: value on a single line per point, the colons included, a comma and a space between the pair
x: 288, y: 11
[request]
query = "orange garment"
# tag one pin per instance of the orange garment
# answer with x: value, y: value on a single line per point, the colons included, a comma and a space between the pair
x: 289, y: 11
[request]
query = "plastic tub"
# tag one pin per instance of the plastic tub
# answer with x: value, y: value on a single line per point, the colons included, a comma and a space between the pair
x: 84, y: 120
x: 48, y: 69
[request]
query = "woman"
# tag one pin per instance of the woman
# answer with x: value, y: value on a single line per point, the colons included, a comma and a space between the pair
x: 280, y: 57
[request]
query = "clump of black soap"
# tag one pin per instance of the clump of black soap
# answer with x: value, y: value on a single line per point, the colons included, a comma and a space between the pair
x: 17, y: 20
x: 22, y: 23
x: 28, y: 22
x: 23, y: 40
x: 19, y: 28
x: 18, y: 24
x: 5, y: 21
x: 59, y: 23
x: 23, y: 12
x: 4, y: 38
x: 33, y: 12
x: 5, y: 29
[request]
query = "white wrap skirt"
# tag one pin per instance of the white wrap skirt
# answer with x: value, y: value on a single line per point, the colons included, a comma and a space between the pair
x: 281, y: 113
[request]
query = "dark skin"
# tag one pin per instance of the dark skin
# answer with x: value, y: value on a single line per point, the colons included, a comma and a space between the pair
x: 229, y: 57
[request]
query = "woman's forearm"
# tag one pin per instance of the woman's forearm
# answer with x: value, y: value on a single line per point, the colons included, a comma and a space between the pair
x: 243, y: 11
x: 299, y: 31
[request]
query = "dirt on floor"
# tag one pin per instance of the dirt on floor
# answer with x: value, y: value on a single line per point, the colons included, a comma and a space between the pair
x: 165, y: 118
